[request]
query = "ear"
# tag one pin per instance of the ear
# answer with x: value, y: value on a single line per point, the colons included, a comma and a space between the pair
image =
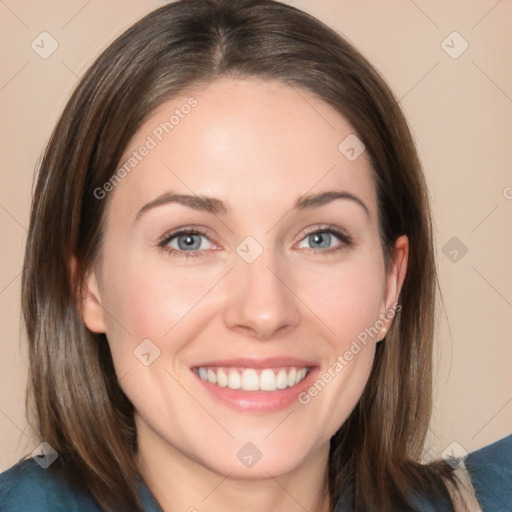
x: 394, y: 280
x: 89, y: 299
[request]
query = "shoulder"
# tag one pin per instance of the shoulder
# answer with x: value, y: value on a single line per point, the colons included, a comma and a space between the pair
x: 27, y: 486
x: 485, y: 484
x: 490, y: 471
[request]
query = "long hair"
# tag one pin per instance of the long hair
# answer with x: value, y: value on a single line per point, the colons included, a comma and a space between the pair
x: 80, y: 410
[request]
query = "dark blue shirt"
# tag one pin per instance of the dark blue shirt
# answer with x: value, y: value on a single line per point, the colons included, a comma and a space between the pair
x: 29, y: 488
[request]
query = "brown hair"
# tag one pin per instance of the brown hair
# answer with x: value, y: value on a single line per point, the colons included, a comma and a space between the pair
x: 80, y: 409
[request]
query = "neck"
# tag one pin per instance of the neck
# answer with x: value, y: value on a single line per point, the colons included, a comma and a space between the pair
x: 180, y: 483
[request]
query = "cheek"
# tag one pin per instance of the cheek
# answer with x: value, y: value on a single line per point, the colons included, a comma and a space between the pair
x: 348, y: 298
x: 148, y: 300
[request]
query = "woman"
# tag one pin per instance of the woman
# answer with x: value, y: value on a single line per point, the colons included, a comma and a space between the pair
x: 229, y: 279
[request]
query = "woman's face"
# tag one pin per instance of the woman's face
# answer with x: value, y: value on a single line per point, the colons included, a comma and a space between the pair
x: 241, y: 281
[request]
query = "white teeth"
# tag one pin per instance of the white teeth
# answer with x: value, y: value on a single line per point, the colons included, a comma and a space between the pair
x: 222, y: 379
x: 268, y: 380
x: 282, y: 380
x: 212, y: 377
x: 234, y: 380
x: 250, y: 379
x: 292, y: 376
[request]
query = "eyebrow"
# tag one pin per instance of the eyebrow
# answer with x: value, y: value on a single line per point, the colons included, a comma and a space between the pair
x: 217, y: 206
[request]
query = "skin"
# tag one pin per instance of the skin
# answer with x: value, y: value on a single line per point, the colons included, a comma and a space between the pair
x: 257, y: 146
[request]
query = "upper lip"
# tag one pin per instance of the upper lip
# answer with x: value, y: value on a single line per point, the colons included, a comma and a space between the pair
x: 258, y: 363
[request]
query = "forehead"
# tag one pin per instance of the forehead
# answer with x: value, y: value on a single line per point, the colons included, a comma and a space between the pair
x: 247, y: 141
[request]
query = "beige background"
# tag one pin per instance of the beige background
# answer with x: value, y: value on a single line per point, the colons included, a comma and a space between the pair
x: 460, y: 110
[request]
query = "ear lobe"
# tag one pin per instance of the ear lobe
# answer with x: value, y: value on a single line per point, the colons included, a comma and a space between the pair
x: 88, y: 300
x: 92, y: 310
x: 395, y: 278
x: 399, y: 265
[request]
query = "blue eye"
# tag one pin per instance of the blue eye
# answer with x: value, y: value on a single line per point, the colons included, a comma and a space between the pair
x: 325, y: 240
x: 191, y: 242
x: 320, y: 240
x: 186, y: 243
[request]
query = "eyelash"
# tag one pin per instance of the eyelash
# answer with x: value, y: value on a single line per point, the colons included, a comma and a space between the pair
x: 344, y: 238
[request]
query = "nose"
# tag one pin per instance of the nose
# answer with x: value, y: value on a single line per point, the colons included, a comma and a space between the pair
x: 261, y: 301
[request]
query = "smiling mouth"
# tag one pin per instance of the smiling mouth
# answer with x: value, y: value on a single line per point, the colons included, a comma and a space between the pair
x: 251, y: 379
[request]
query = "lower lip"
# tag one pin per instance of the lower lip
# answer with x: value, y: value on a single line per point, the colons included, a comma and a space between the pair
x: 258, y: 401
